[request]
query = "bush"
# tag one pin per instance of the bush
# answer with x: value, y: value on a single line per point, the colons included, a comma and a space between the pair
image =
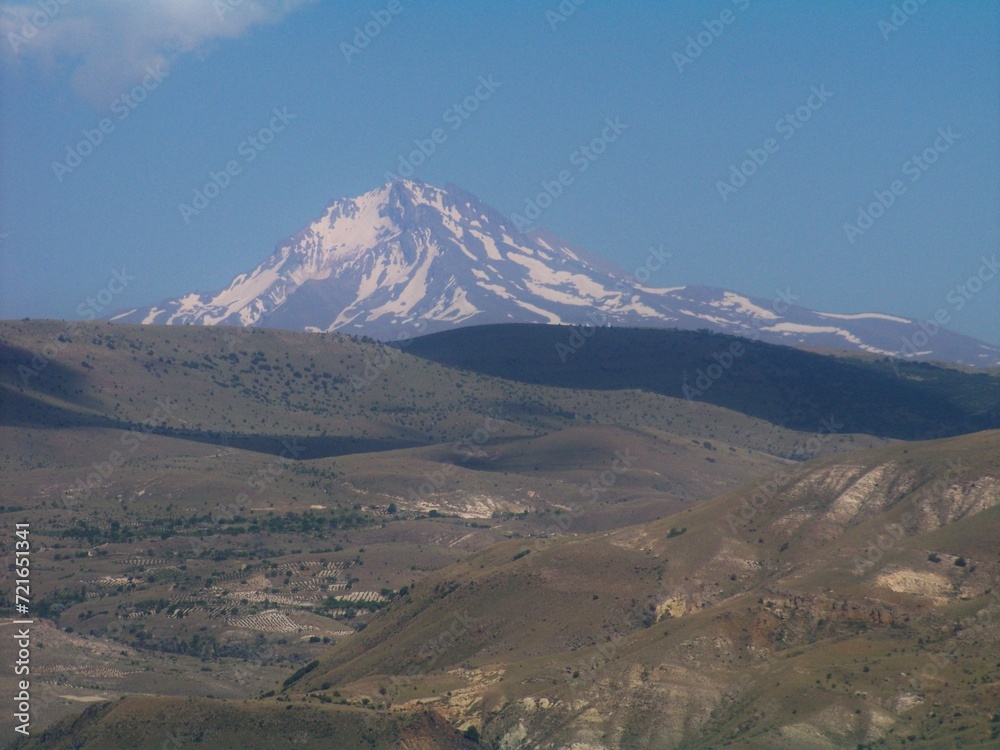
x: 299, y: 674
x: 471, y: 734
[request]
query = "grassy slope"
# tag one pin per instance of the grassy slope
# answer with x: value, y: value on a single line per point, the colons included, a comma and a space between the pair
x: 523, y: 645
x: 147, y: 723
x: 348, y: 396
x: 61, y: 420
x: 694, y: 613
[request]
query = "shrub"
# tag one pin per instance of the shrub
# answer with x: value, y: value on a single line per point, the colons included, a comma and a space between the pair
x: 471, y: 734
x: 299, y: 674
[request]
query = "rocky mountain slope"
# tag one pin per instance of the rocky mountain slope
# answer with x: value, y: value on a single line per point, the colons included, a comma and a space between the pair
x: 849, y: 602
x: 408, y: 258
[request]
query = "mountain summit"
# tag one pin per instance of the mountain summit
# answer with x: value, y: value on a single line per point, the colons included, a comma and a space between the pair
x: 410, y: 258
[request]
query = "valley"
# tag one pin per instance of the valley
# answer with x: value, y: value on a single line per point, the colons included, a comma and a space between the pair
x: 214, y: 510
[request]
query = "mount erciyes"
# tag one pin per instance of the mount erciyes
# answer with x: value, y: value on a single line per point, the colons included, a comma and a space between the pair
x: 409, y: 258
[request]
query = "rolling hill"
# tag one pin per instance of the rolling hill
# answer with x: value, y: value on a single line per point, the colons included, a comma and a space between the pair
x: 846, y: 602
x: 782, y: 385
x: 214, y: 506
x: 860, y: 589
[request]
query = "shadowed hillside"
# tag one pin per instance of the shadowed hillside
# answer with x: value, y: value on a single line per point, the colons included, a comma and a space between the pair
x: 782, y: 385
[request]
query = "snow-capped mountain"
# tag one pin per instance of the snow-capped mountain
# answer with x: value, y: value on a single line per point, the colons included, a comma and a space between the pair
x: 409, y: 258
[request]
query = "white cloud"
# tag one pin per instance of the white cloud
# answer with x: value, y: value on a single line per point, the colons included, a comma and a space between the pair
x: 108, y: 44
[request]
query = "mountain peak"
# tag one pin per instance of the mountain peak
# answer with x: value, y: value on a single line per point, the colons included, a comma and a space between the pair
x: 410, y: 257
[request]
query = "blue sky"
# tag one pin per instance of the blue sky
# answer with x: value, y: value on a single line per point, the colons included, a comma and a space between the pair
x: 838, y: 103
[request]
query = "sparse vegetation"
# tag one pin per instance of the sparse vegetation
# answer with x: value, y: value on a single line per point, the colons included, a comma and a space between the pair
x: 359, y: 550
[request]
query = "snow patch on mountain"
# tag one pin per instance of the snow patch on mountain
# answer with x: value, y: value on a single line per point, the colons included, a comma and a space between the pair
x: 410, y: 258
x: 744, y: 305
x: 860, y: 316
